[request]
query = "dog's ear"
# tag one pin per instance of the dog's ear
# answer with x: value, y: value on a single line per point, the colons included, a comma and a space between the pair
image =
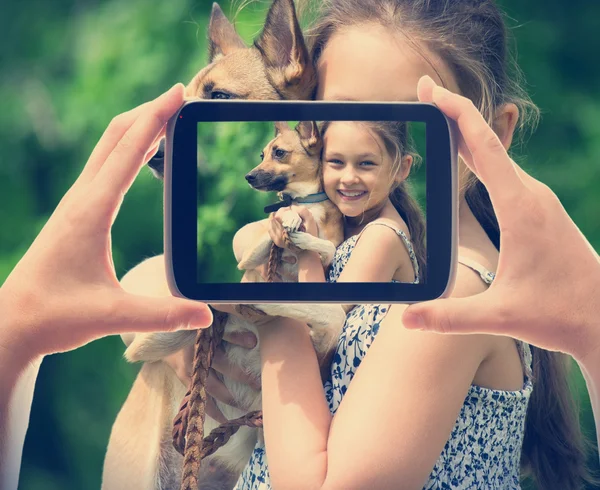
x: 157, y: 162
x: 284, y: 52
x: 222, y: 37
x: 280, y: 127
x: 309, y: 136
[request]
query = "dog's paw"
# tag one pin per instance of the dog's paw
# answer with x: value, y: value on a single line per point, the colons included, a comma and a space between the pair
x: 291, y: 220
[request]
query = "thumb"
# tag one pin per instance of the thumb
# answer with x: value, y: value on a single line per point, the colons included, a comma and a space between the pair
x: 451, y: 315
x: 164, y: 314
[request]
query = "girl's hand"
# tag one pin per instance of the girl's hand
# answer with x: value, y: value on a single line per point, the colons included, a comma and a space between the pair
x: 276, y: 230
x: 548, y: 280
x: 64, y: 292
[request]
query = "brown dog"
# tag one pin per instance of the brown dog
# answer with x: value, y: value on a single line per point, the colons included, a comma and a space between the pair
x: 140, y: 453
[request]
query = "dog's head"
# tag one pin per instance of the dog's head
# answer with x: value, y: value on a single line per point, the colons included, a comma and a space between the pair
x: 291, y: 161
x: 277, y: 66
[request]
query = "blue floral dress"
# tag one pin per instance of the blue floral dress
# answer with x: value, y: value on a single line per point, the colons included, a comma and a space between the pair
x: 484, y: 448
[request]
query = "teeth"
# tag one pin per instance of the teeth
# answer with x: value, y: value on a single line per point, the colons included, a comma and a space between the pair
x: 351, y: 194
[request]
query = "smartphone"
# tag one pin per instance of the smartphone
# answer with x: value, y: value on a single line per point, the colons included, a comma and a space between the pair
x: 229, y: 164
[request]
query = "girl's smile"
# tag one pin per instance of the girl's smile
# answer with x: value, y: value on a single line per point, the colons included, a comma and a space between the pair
x: 348, y: 195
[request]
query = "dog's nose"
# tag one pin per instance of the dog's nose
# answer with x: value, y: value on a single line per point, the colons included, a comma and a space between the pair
x: 250, y: 177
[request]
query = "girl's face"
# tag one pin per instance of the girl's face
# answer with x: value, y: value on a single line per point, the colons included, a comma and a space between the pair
x: 357, y: 171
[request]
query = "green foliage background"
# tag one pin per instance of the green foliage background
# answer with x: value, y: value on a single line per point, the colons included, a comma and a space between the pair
x: 67, y: 67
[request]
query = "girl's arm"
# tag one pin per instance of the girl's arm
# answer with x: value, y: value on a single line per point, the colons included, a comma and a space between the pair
x: 378, y: 246
x: 310, y: 267
x: 394, y: 419
x: 18, y: 374
x: 377, y: 255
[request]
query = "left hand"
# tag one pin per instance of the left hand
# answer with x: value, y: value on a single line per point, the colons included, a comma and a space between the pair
x: 64, y: 292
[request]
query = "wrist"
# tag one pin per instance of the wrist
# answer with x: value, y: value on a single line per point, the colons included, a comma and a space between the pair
x: 15, y: 351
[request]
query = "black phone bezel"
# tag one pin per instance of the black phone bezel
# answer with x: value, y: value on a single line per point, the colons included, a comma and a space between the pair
x: 181, y: 201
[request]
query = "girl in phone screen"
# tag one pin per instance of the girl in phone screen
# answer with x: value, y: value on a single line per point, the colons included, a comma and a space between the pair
x: 364, y: 169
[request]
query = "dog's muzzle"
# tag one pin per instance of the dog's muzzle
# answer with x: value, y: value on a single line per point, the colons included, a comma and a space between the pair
x: 266, y: 181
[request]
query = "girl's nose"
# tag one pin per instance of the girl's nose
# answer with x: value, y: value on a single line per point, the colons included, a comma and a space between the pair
x: 349, y: 176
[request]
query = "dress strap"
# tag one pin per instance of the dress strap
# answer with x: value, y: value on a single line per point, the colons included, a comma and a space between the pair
x: 524, y: 349
x: 485, y: 275
x: 405, y: 240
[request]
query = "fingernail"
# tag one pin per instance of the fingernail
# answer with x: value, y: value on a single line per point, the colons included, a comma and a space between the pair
x: 173, y: 89
x: 413, y: 321
x: 439, y: 91
x: 427, y: 78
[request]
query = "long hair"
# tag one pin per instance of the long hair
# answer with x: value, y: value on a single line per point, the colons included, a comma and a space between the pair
x: 470, y: 36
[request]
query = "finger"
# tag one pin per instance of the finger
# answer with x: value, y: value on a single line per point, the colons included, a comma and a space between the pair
x: 243, y: 339
x: 473, y: 314
x: 216, y: 388
x: 123, y: 164
x: 492, y: 165
x: 86, y: 176
x: 213, y: 411
x: 275, y: 234
x: 111, y: 136
x: 131, y: 313
x: 425, y: 93
x: 229, y: 370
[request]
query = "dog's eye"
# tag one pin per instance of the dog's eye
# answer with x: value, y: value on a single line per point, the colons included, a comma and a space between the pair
x: 262, y: 156
x: 279, y: 153
x: 219, y: 95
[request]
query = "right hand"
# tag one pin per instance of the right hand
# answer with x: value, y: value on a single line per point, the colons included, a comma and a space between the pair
x: 547, y: 287
x: 181, y: 363
x: 64, y: 292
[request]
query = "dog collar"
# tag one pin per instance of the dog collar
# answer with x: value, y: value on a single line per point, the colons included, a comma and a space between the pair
x: 287, y: 200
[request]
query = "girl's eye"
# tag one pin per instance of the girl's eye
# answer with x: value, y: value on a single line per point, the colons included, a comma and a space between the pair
x: 335, y: 162
x: 367, y: 163
x: 279, y: 153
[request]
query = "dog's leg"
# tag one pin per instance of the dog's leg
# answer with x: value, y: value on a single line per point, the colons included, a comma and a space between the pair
x: 135, y: 455
x: 151, y: 347
x: 291, y: 222
x: 256, y: 255
x: 306, y: 241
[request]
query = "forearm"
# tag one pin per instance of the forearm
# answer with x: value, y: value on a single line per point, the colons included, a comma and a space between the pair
x: 17, y: 383
x: 296, y: 415
x: 591, y: 372
x: 310, y: 267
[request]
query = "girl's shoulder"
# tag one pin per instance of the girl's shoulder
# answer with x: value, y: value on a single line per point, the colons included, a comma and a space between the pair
x: 503, y: 367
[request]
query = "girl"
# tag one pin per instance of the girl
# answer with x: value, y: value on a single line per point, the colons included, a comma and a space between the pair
x: 364, y: 171
x: 410, y: 409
